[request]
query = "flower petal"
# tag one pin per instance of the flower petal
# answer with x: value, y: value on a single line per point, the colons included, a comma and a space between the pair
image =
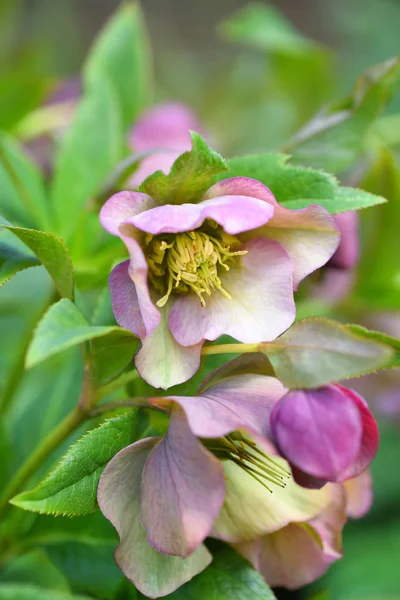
x: 121, y: 206
x: 234, y: 213
x: 183, y: 490
x: 161, y: 361
x: 138, y: 273
x: 359, y: 495
x: 261, y: 305
x: 242, y: 402
x: 319, y: 431
x: 309, y: 235
x: 370, y: 436
x: 154, y: 574
x: 124, y: 300
x: 250, y: 510
x: 346, y: 255
x: 330, y: 522
x: 241, y: 186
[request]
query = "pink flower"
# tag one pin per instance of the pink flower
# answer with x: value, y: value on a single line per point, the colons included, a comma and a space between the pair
x: 227, y: 265
x: 327, y: 434
x: 346, y: 255
x: 164, y: 132
x: 166, y: 495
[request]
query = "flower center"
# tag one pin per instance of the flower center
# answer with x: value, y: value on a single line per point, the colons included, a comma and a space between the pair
x: 189, y: 262
x: 246, y: 454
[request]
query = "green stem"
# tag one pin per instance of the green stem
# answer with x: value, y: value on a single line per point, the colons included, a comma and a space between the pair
x: 141, y: 401
x: 114, y: 385
x: 50, y: 443
x: 230, y: 349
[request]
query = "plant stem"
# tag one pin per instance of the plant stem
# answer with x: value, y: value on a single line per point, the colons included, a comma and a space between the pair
x: 141, y: 401
x: 55, y: 437
x: 230, y: 349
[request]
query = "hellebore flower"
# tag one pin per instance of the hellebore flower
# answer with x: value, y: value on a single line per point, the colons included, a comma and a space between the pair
x: 326, y: 434
x: 166, y: 495
x: 227, y: 265
x: 346, y: 255
x: 164, y: 131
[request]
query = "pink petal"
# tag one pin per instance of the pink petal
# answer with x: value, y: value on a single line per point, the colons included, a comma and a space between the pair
x: 330, y: 522
x: 370, y: 436
x: 242, y: 402
x: 234, y: 213
x: 161, y: 361
x: 346, y: 256
x: 241, y: 186
x: 359, y: 495
x: 319, y: 431
x: 309, y: 235
x: 183, y: 490
x: 138, y: 270
x: 154, y: 574
x: 121, y: 206
x: 125, y: 301
x: 164, y: 126
x: 261, y: 305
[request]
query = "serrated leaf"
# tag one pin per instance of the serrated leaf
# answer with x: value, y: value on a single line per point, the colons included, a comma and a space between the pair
x: 71, y: 488
x: 92, y: 146
x: 19, y: 591
x: 53, y: 255
x: 229, y: 577
x: 317, y: 351
x: 297, y: 187
x: 23, y: 197
x: 121, y: 53
x: 262, y: 26
x: 333, y: 138
x: 378, y: 336
x: 191, y: 175
x: 64, y: 326
x: 12, y: 261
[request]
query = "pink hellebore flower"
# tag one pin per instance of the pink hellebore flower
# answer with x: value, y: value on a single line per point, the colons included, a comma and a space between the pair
x: 163, y: 131
x: 227, y: 265
x: 326, y: 434
x: 166, y: 495
x: 346, y: 255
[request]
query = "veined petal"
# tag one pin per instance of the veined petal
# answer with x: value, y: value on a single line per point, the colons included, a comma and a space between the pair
x: 369, y: 439
x: 319, y: 431
x: 243, y: 402
x: 138, y: 270
x: 125, y: 301
x: 309, y: 235
x: 241, y: 186
x: 154, y: 574
x: 234, y: 213
x: 250, y: 510
x: 121, y: 206
x: 183, y: 490
x: 359, y: 494
x: 261, y: 305
x: 161, y: 361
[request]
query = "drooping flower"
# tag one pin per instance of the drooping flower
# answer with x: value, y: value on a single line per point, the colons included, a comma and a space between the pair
x: 214, y: 473
x: 227, y: 265
x: 327, y: 434
x: 163, y: 131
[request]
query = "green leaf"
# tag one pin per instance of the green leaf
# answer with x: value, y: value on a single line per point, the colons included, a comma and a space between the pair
x: 262, y: 26
x: 12, y: 261
x: 191, y: 175
x: 121, y: 53
x: 64, y: 326
x: 92, y: 146
x: 378, y: 336
x: 34, y: 568
x: 23, y: 196
x: 71, y: 488
x: 229, y: 577
x: 112, y: 353
x: 317, y: 351
x: 53, y: 255
x: 16, y: 591
x: 297, y: 187
x: 333, y: 138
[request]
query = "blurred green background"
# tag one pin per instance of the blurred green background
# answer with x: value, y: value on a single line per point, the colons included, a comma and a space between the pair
x: 247, y: 104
